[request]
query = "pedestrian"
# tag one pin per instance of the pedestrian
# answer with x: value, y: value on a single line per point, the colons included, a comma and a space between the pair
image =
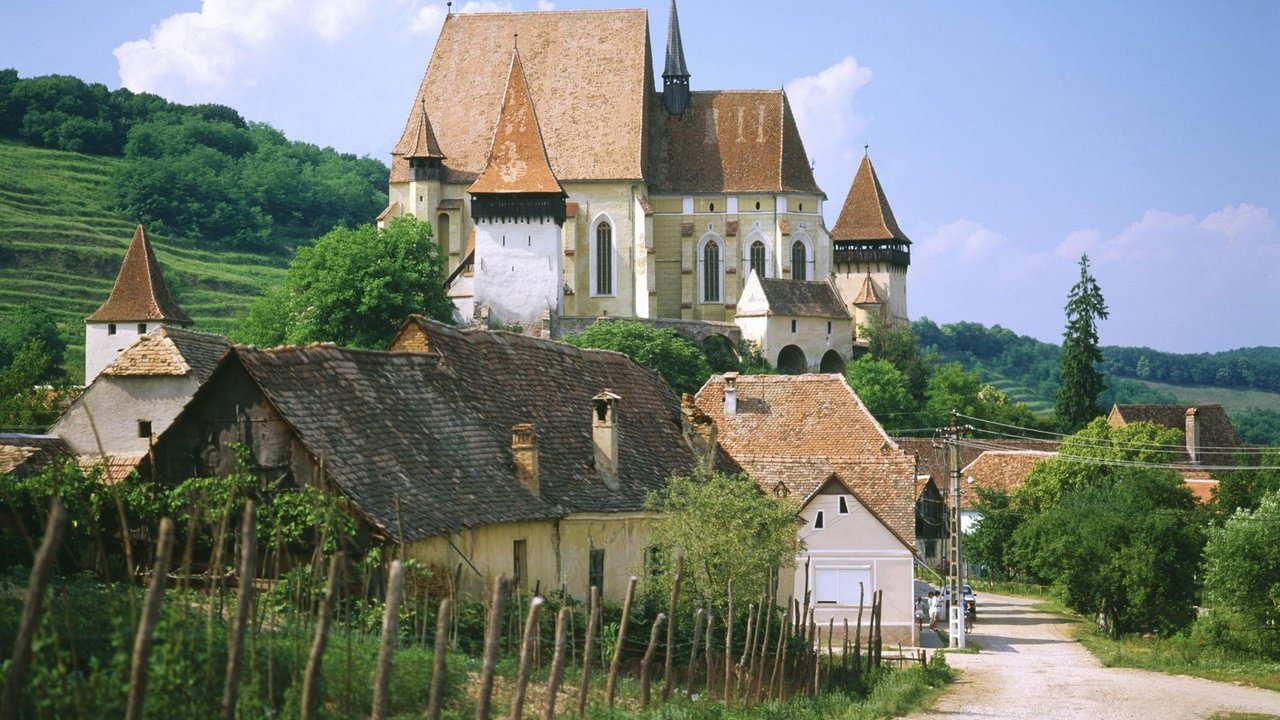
x: 935, y: 609
x: 921, y: 609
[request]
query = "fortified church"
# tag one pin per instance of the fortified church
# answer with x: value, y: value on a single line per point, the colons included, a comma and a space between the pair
x: 563, y: 184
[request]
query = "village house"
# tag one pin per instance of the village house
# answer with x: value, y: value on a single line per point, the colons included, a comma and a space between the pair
x: 483, y: 452
x: 561, y: 181
x: 1209, y: 439
x: 810, y: 438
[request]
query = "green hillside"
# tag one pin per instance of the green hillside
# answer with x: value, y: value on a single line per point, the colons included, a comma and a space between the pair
x: 61, y: 246
x: 1233, y: 400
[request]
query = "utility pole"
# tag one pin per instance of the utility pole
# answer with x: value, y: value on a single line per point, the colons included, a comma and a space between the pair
x: 955, y: 572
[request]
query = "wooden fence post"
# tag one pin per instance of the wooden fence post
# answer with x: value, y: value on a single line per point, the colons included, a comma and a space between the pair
x: 646, y: 664
x: 36, y: 587
x: 612, y: 684
x: 492, y: 636
x: 693, y: 652
x: 316, y: 659
x: 557, y: 663
x: 438, y: 668
x: 593, y: 619
x: 669, y: 668
x: 857, y: 634
x: 728, y: 649
x: 707, y: 651
x: 147, y: 623
x: 779, y: 655
x: 526, y: 657
x: 390, y: 620
x: 235, y: 652
x: 756, y: 676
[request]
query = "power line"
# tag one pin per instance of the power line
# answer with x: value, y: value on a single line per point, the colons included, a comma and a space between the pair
x: 1115, y: 443
x: 1117, y: 462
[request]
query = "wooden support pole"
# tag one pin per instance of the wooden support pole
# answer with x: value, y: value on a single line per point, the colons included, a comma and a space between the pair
x: 316, y: 659
x: 439, y: 671
x: 612, y: 684
x: 390, y: 620
x: 780, y: 654
x: 147, y: 623
x: 593, y: 621
x: 646, y: 664
x: 728, y: 649
x: 708, y: 647
x: 857, y: 634
x: 36, y: 587
x: 492, y: 636
x: 244, y: 600
x: 669, y: 667
x: 526, y: 658
x: 693, y: 652
x: 756, y: 678
x: 558, y: 660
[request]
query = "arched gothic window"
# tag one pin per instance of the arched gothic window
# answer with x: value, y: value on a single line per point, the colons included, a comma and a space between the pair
x: 711, y: 271
x: 758, y: 258
x: 604, y: 258
x: 799, y: 261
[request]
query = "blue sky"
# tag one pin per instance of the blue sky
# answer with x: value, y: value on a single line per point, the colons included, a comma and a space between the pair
x: 1010, y: 137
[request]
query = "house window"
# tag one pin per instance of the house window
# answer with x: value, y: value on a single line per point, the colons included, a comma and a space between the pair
x: 828, y: 327
x: 111, y: 328
x: 711, y: 207
x: 595, y: 570
x: 711, y: 271
x: 142, y: 328
x: 818, y: 522
x: 758, y: 258
x: 757, y: 204
x: 799, y: 261
x: 841, y: 586
x: 844, y: 505
x: 144, y: 428
x: 793, y: 326
x: 519, y: 562
x: 604, y: 258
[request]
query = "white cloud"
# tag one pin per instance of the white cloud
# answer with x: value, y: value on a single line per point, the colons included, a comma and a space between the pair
x: 428, y: 18
x: 546, y: 5
x: 963, y: 239
x: 1234, y: 221
x: 823, y: 106
x: 1078, y: 243
x: 202, y: 50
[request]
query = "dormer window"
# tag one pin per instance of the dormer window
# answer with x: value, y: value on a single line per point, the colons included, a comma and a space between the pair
x: 844, y: 505
x: 142, y: 328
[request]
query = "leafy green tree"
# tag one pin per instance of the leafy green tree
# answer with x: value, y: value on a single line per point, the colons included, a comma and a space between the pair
x: 726, y: 528
x: 29, y: 401
x: 898, y: 347
x: 1244, y: 489
x: 678, y: 360
x: 1242, y: 568
x: 354, y: 288
x: 1082, y: 381
x: 883, y: 388
x: 1125, y: 551
x: 33, y: 322
x: 991, y: 539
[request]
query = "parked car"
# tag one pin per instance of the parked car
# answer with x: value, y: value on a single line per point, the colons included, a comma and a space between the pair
x: 966, y: 592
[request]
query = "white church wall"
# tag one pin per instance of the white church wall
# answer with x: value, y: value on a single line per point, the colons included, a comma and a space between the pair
x: 518, y: 269
x: 104, y: 341
x: 110, y: 410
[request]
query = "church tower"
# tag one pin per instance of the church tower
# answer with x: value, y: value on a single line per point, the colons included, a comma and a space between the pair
x: 675, y: 77
x: 518, y: 206
x: 425, y: 168
x: 870, y: 253
x: 139, y: 303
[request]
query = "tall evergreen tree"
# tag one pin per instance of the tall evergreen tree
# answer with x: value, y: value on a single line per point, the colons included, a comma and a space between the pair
x: 1077, y: 401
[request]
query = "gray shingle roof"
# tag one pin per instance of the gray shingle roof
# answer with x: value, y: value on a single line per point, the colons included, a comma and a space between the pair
x: 805, y: 298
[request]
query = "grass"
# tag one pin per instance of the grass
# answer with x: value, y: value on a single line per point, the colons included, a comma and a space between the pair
x: 61, y: 244
x: 1234, y: 401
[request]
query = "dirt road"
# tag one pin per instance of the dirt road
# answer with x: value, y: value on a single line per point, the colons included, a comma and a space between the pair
x: 1029, y: 669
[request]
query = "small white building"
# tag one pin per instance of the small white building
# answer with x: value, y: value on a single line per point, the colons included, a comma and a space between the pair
x: 798, y: 325
x: 809, y: 437
x: 139, y: 303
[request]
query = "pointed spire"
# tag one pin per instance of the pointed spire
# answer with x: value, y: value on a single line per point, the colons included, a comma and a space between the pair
x: 675, y: 78
x: 424, y: 139
x: 140, y: 292
x: 866, y: 215
x: 518, y: 160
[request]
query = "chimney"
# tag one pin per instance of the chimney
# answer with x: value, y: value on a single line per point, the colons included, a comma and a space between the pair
x: 731, y: 393
x: 604, y: 436
x: 524, y: 454
x: 1193, y: 434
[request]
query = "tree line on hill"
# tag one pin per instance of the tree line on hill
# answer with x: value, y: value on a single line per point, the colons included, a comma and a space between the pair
x: 196, y: 171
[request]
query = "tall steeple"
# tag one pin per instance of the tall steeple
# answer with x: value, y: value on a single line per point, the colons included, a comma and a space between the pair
x: 870, y: 253
x: 139, y: 302
x: 675, y: 78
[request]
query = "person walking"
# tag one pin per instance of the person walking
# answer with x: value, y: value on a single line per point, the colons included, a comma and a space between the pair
x: 935, y: 609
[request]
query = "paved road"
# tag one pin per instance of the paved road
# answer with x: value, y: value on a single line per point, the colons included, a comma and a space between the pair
x: 1029, y: 668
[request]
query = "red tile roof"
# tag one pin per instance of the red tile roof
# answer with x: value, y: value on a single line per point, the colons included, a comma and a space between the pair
x: 799, y: 430
x: 517, y: 159
x: 866, y: 214
x: 424, y: 144
x: 1003, y: 470
x: 140, y: 292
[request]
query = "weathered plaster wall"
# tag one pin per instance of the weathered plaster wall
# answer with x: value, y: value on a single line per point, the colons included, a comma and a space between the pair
x: 109, y: 410
x: 518, y: 273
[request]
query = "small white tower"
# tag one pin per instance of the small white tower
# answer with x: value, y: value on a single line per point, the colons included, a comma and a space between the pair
x: 139, y: 303
x: 519, y: 207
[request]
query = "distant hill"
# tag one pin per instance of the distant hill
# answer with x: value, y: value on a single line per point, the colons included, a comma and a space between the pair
x: 61, y: 246
x: 1245, y: 381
